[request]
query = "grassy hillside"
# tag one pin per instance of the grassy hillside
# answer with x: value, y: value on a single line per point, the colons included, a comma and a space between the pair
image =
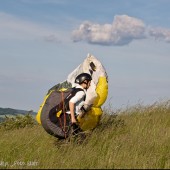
x: 138, y: 137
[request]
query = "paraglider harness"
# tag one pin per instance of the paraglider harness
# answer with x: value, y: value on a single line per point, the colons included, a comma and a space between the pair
x: 61, y: 109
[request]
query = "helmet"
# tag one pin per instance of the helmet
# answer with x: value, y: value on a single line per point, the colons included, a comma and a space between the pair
x: 82, y: 77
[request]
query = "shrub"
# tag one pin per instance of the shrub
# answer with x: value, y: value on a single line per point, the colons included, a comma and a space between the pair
x: 17, y: 122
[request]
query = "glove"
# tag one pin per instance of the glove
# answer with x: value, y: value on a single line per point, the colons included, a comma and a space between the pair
x: 76, y: 128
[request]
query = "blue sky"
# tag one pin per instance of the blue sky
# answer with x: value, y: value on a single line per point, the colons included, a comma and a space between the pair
x: 42, y: 41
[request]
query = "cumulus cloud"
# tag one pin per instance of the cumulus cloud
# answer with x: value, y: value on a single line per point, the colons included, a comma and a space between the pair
x: 122, y: 31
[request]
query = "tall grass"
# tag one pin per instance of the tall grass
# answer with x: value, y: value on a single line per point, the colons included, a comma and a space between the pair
x: 136, y: 138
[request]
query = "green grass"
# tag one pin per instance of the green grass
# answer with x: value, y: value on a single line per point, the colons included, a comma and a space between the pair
x: 136, y: 138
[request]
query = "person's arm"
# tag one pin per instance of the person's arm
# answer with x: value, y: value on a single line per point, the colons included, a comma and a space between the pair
x: 79, y: 95
x: 71, y: 106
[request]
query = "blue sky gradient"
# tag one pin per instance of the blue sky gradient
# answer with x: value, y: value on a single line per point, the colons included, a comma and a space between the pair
x: 42, y: 41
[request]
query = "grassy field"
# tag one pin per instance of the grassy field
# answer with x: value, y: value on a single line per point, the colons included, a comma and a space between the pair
x: 135, y: 138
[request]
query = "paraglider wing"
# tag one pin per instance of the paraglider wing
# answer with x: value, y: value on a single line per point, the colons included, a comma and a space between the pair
x: 95, y: 98
x: 97, y: 92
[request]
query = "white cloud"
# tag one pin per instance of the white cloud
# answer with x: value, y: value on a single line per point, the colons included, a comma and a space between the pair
x: 160, y: 34
x: 12, y: 27
x: 122, y: 31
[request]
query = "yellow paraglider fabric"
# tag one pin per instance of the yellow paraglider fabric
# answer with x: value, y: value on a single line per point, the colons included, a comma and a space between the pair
x: 102, y: 92
x: 38, y: 116
x: 92, y: 117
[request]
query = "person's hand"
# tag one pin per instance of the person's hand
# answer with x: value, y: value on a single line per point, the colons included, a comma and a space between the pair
x: 73, y: 120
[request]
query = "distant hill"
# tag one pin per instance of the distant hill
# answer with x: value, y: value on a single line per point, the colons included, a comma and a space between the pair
x: 14, y: 112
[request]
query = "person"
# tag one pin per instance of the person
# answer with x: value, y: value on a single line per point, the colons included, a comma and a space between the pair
x: 83, y: 81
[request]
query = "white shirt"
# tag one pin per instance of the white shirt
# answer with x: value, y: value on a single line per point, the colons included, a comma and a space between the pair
x: 78, y: 100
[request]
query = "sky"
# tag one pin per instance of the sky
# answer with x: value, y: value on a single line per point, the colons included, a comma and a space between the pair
x: 42, y: 41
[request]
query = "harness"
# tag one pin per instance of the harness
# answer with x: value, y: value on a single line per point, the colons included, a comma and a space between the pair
x: 64, y: 118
